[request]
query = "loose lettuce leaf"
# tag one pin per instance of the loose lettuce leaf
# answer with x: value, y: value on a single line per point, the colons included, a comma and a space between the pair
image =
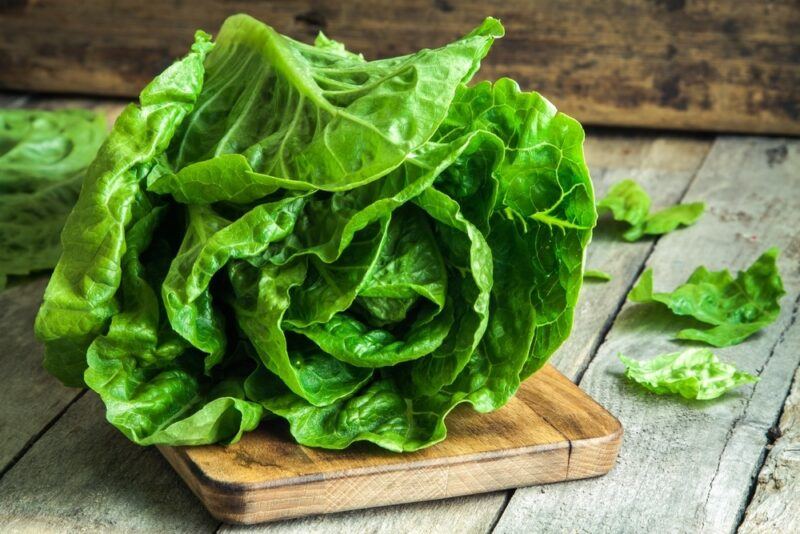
x: 737, y: 308
x: 354, y: 246
x: 628, y: 202
x: 43, y: 158
x: 593, y: 274
x: 691, y: 373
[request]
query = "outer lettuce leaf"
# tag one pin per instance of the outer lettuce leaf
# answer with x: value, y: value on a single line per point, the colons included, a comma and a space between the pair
x: 79, y: 300
x: 43, y: 158
x: 628, y: 202
x: 328, y: 120
x: 693, y: 374
x: 737, y: 308
x: 355, y: 246
x: 152, y: 393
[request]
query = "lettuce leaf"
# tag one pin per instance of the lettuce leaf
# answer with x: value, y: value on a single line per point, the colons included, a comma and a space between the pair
x: 594, y: 274
x: 628, y: 202
x: 692, y: 373
x: 736, y: 307
x: 43, y: 158
x: 355, y: 246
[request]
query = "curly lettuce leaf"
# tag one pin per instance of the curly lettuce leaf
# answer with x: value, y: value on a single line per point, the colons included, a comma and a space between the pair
x: 736, y: 307
x: 354, y: 246
x: 80, y: 298
x: 692, y: 373
x: 327, y: 121
x: 43, y: 158
x: 628, y: 202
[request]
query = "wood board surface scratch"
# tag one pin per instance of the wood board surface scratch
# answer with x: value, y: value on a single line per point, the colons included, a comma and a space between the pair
x: 697, y: 457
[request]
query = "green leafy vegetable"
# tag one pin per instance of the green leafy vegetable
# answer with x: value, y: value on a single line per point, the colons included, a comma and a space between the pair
x: 628, y: 202
x: 691, y: 373
x: 593, y: 274
x: 736, y: 307
x: 43, y: 157
x: 354, y: 246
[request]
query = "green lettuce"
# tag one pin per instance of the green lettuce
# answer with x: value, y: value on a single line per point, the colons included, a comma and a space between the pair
x: 594, y: 274
x: 736, y: 307
x: 357, y: 247
x: 43, y: 158
x: 692, y: 373
x: 628, y: 202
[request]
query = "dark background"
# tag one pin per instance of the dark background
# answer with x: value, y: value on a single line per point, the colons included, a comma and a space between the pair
x: 701, y: 65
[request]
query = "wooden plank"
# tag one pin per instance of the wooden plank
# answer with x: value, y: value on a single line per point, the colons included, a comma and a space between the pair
x: 550, y: 432
x: 706, y: 64
x: 665, y: 167
x: 776, y: 503
x: 83, y: 475
x: 687, y: 466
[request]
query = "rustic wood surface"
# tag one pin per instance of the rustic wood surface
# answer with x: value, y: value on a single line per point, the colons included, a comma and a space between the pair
x: 689, y: 466
x: 550, y: 432
x: 776, y: 504
x: 74, y: 471
x: 707, y: 64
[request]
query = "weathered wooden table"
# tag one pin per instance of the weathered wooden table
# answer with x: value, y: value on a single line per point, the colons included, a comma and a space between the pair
x: 719, y: 466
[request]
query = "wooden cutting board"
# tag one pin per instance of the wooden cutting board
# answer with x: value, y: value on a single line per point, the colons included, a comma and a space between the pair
x: 550, y: 432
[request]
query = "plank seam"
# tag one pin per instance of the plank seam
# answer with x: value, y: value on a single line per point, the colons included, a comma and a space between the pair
x: 501, y: 510
x: 32, y: 441
x: 773, y: 432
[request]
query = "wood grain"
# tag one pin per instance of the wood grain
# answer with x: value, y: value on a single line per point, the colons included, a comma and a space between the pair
x: 687, y: 466
x: 664, y: 165
x: 550, y: 432
x: 776, y: 503
x: 706, y: 64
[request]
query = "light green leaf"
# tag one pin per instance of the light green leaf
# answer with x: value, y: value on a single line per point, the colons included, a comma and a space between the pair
x: 737, y: 308
x: 593, y: 274
x: 667, y: 220
x: 628, y: 202
x: 691, y: 373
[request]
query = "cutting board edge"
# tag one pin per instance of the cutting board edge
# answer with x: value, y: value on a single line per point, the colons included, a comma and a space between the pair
x: 245, y: 505
x: 432, y: 479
